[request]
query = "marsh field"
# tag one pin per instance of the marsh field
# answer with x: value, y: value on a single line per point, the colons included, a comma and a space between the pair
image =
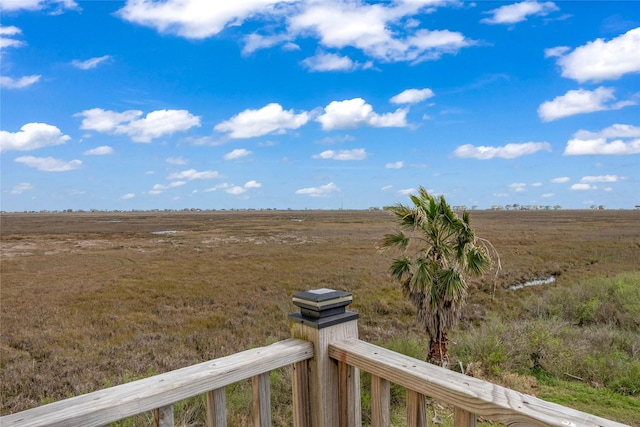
x: 91, y: 300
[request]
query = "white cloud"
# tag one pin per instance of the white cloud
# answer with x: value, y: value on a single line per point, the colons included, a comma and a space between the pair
x: 412, y: 96
x: 268, y: 119
x: 353, y: 113
x: 395, y: 165
x: 90, y: 63
x: 99, y: 151
x: 561, y: 180
x: 518, y: 187
x: 49, y: 164
x: 128, y: 196
x: 14, y: 5
x: 407, y: 191
x: 613, y: 58
x: 332, y: 62
x: 254, y: 42
x: 554, y: 52
x: 191, y: 174
x: 386, y: 188
x: 321, y: 191
x: 156, y: 124
x: 548, y: 195
x: 237, y: 189
x: 626, y: 140
x: 176, y: 161
x: 236, y: 154
x: 32, y: 136
x: 601, y: 178
x: 367, y: 27
x: 22, y: 82
x: 194, y: 19
x: 582, y: 187
x: 6, y: 34
x: 518, y: 12
x: 159, y: 188
x: 509, y: 151
x: 21, y: 188
x: 355, y: 154
x: 578, y: 102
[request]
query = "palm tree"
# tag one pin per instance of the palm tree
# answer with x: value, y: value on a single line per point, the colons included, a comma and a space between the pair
x: 439, y: 250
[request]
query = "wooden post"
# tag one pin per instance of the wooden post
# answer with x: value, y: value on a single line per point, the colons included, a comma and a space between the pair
x: 462, y: 418
x: 163, y: 417
x: 380, y: 402
x: 216, y: 408
x: 323, y: 320
x: 416, y: 409
x: 261, y: 400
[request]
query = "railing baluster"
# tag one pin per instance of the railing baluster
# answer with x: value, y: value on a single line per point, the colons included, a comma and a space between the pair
x: 349, y: 392
x: 462, y: 418
x: 261, y: 400
x: 163, y: 417
x: 380, y: 402
x: 216, y: 408
x: 300, y: 391
x: 416, y: 409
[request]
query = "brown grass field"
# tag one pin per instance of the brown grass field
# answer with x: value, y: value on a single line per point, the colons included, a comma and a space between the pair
x: 89, y: 300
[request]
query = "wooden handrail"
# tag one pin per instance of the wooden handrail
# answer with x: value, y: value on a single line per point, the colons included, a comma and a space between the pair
x: 122, y: 401
x: 467, y: 393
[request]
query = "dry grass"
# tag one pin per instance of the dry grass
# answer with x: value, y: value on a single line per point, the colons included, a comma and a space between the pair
x: 95, y: 299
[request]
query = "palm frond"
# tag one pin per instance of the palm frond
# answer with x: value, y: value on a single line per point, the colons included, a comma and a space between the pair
x: 398, y: 239
x: 401, y: 269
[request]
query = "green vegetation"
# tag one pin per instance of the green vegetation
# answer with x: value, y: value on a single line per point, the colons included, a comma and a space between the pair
x: 438, y: 251
x: 89, y: 301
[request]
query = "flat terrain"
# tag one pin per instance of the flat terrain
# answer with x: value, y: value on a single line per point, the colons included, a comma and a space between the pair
x: 89, y: 300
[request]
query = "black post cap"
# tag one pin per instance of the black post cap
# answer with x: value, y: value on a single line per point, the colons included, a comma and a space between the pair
x: 322, y: 307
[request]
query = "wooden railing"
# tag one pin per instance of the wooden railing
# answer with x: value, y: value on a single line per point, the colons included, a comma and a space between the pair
x: 326, y: 357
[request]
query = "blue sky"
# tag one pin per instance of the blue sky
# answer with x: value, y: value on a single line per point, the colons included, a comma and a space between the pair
x: 318, y: 104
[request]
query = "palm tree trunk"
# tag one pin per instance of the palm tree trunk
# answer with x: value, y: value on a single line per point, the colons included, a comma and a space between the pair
x: 439, y: 351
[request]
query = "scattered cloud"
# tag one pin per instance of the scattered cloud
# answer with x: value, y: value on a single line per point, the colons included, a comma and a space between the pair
x: 90, y: 63
x: 21, y: 188
x: 99, y: 151
x: 518, y: 12
x: 32, y: 136
x: 7, y: 34
x: 618, y: 139
x: 333, y: 62
x: 386, y: 188
x: 395, y: 165
x: 159, y: 188
x: 194, y: 19
x: 237, y: 189
x: 128, y: 196
x: 412, y: 96
x: 407, y: 191
x: 561, y: 180
x: 518, y: 187
x: 22, y: 82
x: 270, y: 118
x: 237, y: 154
x: 176, y: 161
x: 59, y: 5
x: 321, y: 191
x: 191, y: 174
x: 353, y: 113
x: 601, y: 178
x: 615, y: 58
x: 579, y: 102
x: 154, y: 125
x: 338, y: 139
x: 509, y: 151
x: 582, y: 187
x: 336, y: 25
x: 355, y: 154
x: 49, y: 164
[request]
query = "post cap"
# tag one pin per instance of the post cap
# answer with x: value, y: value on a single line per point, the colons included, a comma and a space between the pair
x: 322, y: 307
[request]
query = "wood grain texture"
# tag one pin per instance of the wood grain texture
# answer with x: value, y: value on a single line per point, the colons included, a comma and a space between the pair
x: 349, y: 394
x: 416, y: 409
x: 216, y: 401
x: 300, y: 391
x: 380, y: 402
x: 470, y: 394
x: 462, y: 418
x: 112, y: 404
x: 261, y: 396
